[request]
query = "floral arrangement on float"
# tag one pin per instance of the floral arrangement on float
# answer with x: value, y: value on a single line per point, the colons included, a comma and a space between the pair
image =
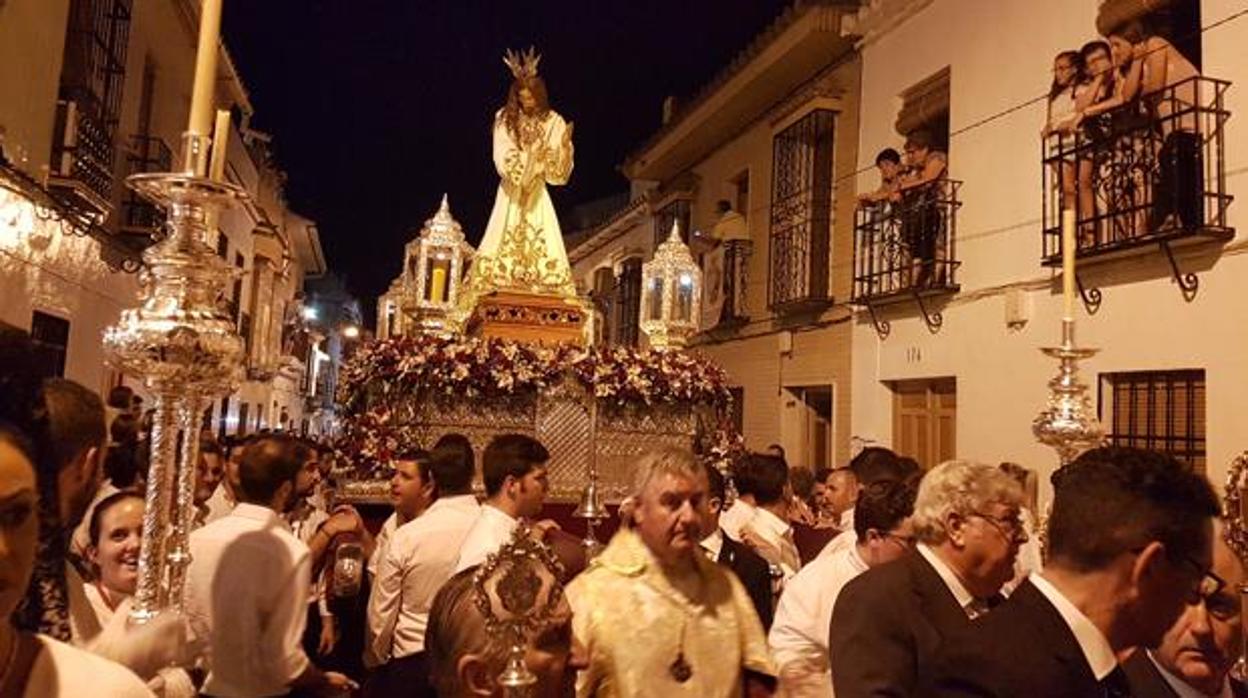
x: 378, y: 382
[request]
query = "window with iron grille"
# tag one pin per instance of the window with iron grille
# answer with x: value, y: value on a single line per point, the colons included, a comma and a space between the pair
x: 675, y: 212
x: 801, y: 211
x: 50, y: 335
x: 92, y: 80
x: 1158, y: 410
x: 628, y: 303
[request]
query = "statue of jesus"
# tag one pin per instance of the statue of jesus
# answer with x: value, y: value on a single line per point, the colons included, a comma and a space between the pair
x: 522, y: 249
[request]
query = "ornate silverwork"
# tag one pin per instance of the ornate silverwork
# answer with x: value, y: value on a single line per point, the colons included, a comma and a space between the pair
x: 1068, y: 424
x: 517, y: 590
x: 183, y: 344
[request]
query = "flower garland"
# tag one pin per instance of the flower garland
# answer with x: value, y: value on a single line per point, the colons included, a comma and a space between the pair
x: 474, y: 367
x: 381, y: 373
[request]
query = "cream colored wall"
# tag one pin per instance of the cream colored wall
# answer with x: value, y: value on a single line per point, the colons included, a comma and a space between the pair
x: 43, y: 269
x: 821, y: 353
x: 32, y: 42
x: 1143, y: 323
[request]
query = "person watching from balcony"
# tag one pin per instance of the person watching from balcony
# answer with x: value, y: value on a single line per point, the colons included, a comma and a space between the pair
x: 1059, y: 127
x: 730, y: 224
x: 1095, y: 83
x: 1169, y: 83
x: 888, y: 162
x: 921, y: 223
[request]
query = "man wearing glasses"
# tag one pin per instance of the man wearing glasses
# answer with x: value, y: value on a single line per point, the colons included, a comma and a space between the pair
x: 889, y: 622
x: 1197, y: 653
x: 1129, y: 548
x: 799, y: 636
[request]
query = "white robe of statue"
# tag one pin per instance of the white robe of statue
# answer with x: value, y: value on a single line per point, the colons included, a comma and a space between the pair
x: 522, y: 249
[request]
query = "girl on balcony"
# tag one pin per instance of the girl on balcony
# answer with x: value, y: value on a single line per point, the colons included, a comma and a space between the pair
x: 1059, y: 130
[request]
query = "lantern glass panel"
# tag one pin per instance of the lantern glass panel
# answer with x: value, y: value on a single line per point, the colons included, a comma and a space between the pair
x: 654, y: 298
x: 683, y: 311
x: 438, y: 272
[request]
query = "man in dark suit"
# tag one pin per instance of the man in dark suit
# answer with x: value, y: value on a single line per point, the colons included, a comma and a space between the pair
x: 1129, y: 547
x: 889, y: 622
x: 1199, y: 650
x: 750, y: 568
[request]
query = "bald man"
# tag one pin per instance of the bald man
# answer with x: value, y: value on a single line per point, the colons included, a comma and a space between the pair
x: 1199, y: 650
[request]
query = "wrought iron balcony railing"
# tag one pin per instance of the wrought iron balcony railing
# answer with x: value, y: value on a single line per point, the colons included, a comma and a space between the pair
x: 82, y: 151
x: 141, y: 219
x: 736, y: 263
x: 726, y: 267
x: 1150, y: 172
x: 905, y: 247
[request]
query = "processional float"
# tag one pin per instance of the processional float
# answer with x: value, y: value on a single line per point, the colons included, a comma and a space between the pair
x: 498, y: 338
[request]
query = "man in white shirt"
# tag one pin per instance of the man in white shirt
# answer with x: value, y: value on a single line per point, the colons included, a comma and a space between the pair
x: 223, y: 498
x: 513, y: 467
x: 799, y: 634
x: 247, y: 585
x: 208, y: 475
x: 421, y: 557
x: 411, y: 492
x: 840, y: 493
x: 1129, y: 546
x: 872, y: 464
x: 760, y: 517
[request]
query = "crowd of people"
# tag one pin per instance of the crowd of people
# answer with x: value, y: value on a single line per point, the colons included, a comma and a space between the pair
x: 875, y: 578
x: 1123, y: 103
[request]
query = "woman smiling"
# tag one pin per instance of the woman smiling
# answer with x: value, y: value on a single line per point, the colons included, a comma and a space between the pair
x: 116, y: 531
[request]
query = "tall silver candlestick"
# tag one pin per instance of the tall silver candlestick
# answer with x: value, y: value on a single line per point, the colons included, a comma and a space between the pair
x: 1068, y: 423
x: 182, y: 342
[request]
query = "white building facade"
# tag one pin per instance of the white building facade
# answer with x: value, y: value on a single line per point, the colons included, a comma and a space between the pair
x: 91, y: 92
x: 1170, y: 371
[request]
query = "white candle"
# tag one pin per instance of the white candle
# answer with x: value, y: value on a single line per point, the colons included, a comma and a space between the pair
x: 220, y: 141
x: 1068, y: 262
x: 204, y: 90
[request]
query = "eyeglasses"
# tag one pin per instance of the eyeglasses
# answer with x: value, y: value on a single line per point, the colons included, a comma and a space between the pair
x: 1206, y: 589
x: 1010, y: 527
x: 1207, y: 585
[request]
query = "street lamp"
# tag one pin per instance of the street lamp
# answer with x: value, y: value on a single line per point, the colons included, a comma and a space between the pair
x: 351, y: 332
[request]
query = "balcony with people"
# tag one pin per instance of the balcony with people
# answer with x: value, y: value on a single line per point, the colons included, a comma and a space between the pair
x: 1134, y: 144
x: 905, y: 230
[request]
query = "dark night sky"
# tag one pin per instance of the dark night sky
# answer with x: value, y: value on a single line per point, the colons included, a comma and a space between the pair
x: 378, y: 106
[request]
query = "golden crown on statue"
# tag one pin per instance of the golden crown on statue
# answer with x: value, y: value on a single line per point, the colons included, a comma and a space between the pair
x: 523, y: 65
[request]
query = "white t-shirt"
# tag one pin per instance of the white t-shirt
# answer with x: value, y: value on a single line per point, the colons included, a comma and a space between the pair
x: 492, y: 529
x: 63, y: 670
x: 799, y: 633
x: 246, y: 596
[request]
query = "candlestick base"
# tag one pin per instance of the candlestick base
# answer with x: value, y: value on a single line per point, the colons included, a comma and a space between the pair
x: 1068, y: 424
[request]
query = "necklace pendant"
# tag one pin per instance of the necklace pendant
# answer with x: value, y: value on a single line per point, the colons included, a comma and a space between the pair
x: 680, y: 669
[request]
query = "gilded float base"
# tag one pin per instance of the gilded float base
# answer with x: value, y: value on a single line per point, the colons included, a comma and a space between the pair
x: 529, y: 317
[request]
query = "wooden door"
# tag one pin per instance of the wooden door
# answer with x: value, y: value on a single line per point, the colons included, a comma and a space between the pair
x: 925, y: 420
